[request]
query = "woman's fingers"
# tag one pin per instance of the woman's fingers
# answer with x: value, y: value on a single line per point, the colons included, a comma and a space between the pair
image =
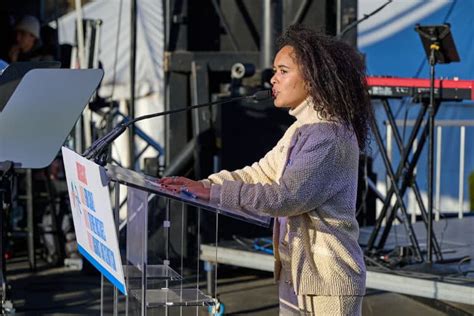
x: 169, y: 180
x: 191, y: 191
x: 172, y: 187
x: 179, y: 181
x: 173, y: 180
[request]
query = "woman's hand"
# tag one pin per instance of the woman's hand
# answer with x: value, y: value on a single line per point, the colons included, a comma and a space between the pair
x: 186, y: 186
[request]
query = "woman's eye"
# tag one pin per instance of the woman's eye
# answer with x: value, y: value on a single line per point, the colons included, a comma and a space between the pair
x: 282, y: 71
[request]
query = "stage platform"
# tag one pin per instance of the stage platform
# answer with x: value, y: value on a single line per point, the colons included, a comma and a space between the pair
x: 455, y: 237
x: 59, y: 291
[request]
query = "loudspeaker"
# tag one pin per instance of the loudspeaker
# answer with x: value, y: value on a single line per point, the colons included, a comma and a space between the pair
x: 246, y: 131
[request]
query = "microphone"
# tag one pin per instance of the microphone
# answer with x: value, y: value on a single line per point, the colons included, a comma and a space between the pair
x: 98, y: 147
x: 261, y: 95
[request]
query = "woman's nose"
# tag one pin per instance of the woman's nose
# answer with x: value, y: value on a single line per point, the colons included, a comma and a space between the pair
x: 273, y: 79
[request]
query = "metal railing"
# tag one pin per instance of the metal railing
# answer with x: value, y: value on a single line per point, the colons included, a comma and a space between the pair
x: 440, y: 126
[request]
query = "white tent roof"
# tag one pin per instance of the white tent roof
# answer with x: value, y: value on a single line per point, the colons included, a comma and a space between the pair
x: 150, y: 44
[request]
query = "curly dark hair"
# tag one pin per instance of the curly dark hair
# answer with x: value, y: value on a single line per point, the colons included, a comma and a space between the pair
x: 335, y: 77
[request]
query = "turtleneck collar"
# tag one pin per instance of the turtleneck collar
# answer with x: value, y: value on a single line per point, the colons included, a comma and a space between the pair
x: 305, y: 113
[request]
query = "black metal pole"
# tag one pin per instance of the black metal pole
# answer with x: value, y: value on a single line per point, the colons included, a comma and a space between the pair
x: 133, y: 52
x: 167, y: 26
x: 3, y: 277
x: 30, y: 219
x: 400, y: 170
x: 6, y: 177
x: 431, y: 113
x: 394, y: 187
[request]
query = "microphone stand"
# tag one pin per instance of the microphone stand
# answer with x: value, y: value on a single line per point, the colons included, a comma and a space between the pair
x: 431, y: 126
x: 98, y: 150
x: 440, y: 49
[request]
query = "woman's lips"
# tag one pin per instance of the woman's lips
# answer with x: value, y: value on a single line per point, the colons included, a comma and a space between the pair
x: 274, y: 93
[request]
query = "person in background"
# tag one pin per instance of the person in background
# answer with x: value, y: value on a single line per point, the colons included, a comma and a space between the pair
x: 308, y: 181
x: 28, y: 45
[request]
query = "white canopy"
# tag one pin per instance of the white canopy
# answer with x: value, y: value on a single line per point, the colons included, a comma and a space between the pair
x: 150, y: 44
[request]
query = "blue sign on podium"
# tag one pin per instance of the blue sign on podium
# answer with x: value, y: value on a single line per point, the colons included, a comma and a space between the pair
x: 93, y: 217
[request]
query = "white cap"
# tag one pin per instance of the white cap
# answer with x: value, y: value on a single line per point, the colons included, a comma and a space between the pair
x: 29, y: 24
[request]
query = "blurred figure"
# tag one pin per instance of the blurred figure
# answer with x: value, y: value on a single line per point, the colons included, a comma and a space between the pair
x: 28, y: 46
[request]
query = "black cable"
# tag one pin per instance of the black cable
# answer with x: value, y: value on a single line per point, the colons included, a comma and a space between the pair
x: 421, y: 275
x: 465, y: 259
x: 366, y: 16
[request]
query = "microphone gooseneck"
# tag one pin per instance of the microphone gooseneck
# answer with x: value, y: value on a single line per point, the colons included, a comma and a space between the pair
x: 262, y: 95
x: 98, y: 147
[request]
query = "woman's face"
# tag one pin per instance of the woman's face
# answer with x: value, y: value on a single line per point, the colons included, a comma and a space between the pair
x: 289, y: 89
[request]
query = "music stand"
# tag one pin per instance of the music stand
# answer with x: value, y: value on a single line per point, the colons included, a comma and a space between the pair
x: 36, y: 120
x: 439, y: 47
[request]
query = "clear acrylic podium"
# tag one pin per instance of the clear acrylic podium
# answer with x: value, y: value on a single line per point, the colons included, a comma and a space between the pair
x: 159, y: 288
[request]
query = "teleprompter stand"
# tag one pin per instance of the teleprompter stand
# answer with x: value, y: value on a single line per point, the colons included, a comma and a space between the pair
x: 33, y: 125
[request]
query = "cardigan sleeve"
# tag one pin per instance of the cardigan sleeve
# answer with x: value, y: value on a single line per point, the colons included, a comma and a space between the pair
x: 307, y: 182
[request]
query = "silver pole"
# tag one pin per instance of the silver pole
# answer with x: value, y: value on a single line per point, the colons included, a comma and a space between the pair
x: 116, y: 211
x: 271, y: 28
x: 101, y: 295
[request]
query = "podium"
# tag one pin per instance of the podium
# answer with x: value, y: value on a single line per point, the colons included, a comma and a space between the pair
x: 156, y: 286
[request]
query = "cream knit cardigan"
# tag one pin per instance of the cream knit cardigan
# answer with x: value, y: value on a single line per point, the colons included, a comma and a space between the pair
x: 310, y: 176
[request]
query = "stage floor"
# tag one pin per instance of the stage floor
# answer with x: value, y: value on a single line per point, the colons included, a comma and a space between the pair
x: 455, y: 237
x: 60, y: 291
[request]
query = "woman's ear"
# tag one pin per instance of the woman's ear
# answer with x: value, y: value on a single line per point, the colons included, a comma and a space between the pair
x: 307, y: 87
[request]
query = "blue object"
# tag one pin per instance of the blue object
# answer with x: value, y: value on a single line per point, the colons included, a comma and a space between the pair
x: 263, y: 244
x: 188, y: 193
x: 3, y: 65
x: 217, y: 310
